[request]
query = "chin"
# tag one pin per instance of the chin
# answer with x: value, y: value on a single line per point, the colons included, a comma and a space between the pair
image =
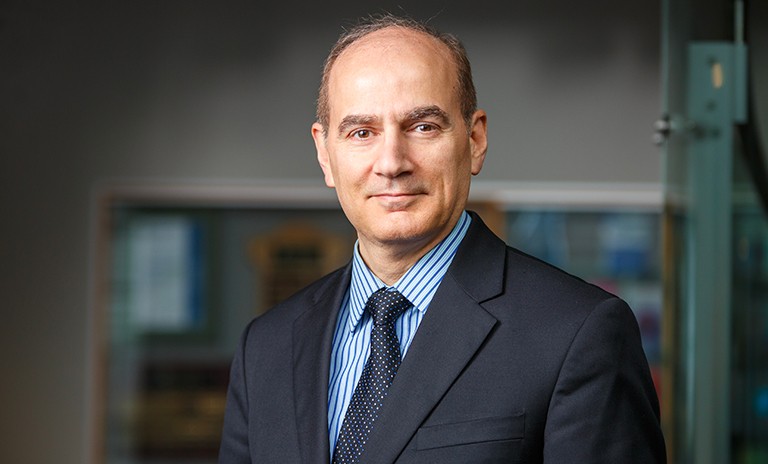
x: 401, y: 227
x: 401, y: 234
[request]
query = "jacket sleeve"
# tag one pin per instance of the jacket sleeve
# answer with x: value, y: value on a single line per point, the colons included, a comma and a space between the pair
x: 234, y: 447
x: 604, y: 408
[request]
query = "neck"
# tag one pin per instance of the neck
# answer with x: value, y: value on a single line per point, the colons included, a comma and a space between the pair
x: 390, y: 262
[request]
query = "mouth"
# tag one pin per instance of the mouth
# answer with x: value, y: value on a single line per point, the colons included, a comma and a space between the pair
x: 395, y: 200
x: 394, y: 195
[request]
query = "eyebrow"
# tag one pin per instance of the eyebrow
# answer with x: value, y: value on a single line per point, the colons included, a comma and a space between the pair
x: 418, y: 113
x: 425, y: 112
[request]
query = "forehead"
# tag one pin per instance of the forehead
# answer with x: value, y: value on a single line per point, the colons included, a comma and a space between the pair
x: 390, y: 55
x: 392, y: 43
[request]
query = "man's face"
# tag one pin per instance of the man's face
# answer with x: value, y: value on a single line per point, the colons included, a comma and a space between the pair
x: 397, y: 148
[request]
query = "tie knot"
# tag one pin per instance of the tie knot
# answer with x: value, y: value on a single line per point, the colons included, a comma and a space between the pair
x: 386, y: 305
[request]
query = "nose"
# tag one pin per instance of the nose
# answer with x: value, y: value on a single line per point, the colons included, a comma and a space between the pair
x: 393, y: 158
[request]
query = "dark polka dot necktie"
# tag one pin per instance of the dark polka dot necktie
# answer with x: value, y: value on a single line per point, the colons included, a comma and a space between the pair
x: 379, y: 371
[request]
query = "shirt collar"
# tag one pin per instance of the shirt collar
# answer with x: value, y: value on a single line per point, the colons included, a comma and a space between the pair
x: 364, y: 282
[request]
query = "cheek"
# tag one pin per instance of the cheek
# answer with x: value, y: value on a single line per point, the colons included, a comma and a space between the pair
x: 348, y: 182
x: 350, y: 190
x: 455, y: 184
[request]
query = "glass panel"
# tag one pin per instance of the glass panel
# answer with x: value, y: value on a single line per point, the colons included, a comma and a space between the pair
x: 749, y: 431
x: 750, y: 250
x: 184, y: 283
x: 750, y: 269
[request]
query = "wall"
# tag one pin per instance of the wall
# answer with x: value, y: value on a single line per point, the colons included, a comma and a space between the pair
x: 185, y: 90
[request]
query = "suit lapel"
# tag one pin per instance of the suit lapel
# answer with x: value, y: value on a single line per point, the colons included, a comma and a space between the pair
x: 312, y: 341
x: 452, y: 331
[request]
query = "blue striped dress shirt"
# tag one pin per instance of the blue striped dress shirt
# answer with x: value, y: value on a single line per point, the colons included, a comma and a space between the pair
x: 351, y: 341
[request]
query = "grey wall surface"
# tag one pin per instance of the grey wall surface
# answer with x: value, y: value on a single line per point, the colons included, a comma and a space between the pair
x: 180, y: 90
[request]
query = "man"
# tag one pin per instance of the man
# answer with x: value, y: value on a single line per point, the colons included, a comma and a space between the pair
x: 485, y: 354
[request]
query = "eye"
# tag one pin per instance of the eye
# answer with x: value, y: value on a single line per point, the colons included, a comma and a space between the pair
x: 361, y: 134
x: 424, y: 127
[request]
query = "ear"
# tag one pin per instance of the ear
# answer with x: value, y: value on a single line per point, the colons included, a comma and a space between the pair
x: 322, y: 154
x: 478, y: 140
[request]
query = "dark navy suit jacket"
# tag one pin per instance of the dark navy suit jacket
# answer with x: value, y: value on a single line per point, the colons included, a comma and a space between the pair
x: 515, y: 361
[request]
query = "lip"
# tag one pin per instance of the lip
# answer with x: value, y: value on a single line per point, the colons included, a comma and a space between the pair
x: 395, y: 200
x: 394, y: 195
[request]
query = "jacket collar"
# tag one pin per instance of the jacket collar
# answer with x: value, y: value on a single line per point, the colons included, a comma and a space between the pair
x: 449, y: 335
x: 312, y: 341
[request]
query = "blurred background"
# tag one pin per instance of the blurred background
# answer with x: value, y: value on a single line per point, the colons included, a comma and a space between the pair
x: 158, y: 189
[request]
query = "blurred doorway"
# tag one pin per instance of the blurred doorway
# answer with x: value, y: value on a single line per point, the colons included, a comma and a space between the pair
x: 715, y: 235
